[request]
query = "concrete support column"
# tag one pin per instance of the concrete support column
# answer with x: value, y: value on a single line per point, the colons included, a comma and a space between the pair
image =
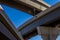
x: 48, y: 33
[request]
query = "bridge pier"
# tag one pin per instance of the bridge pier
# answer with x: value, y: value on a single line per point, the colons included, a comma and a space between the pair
x: 48, y: 33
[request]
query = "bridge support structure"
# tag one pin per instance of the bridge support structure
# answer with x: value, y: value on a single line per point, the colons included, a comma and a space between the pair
x: 48, y: 33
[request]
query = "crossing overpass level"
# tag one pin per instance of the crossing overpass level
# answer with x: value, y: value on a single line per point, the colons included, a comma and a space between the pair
x: 30, y: 6
x: 45, y: 23
x: 48, y: 18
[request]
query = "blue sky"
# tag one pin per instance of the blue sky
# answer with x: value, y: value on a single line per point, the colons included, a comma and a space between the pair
x: 18, y: 17
x: 51, y: 2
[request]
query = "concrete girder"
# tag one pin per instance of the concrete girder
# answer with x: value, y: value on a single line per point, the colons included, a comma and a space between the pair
x: 26, y: 7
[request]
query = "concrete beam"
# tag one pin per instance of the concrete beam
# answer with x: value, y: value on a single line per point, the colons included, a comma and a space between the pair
x: 6, y: 32
x: 8, y: 25
x: 44, y: 3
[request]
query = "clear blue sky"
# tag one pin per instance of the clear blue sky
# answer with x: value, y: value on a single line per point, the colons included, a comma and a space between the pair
x: 19, y: 17
x: 51, y: 2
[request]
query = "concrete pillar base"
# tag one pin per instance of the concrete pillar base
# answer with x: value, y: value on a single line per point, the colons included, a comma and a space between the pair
x: 49, y: 37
